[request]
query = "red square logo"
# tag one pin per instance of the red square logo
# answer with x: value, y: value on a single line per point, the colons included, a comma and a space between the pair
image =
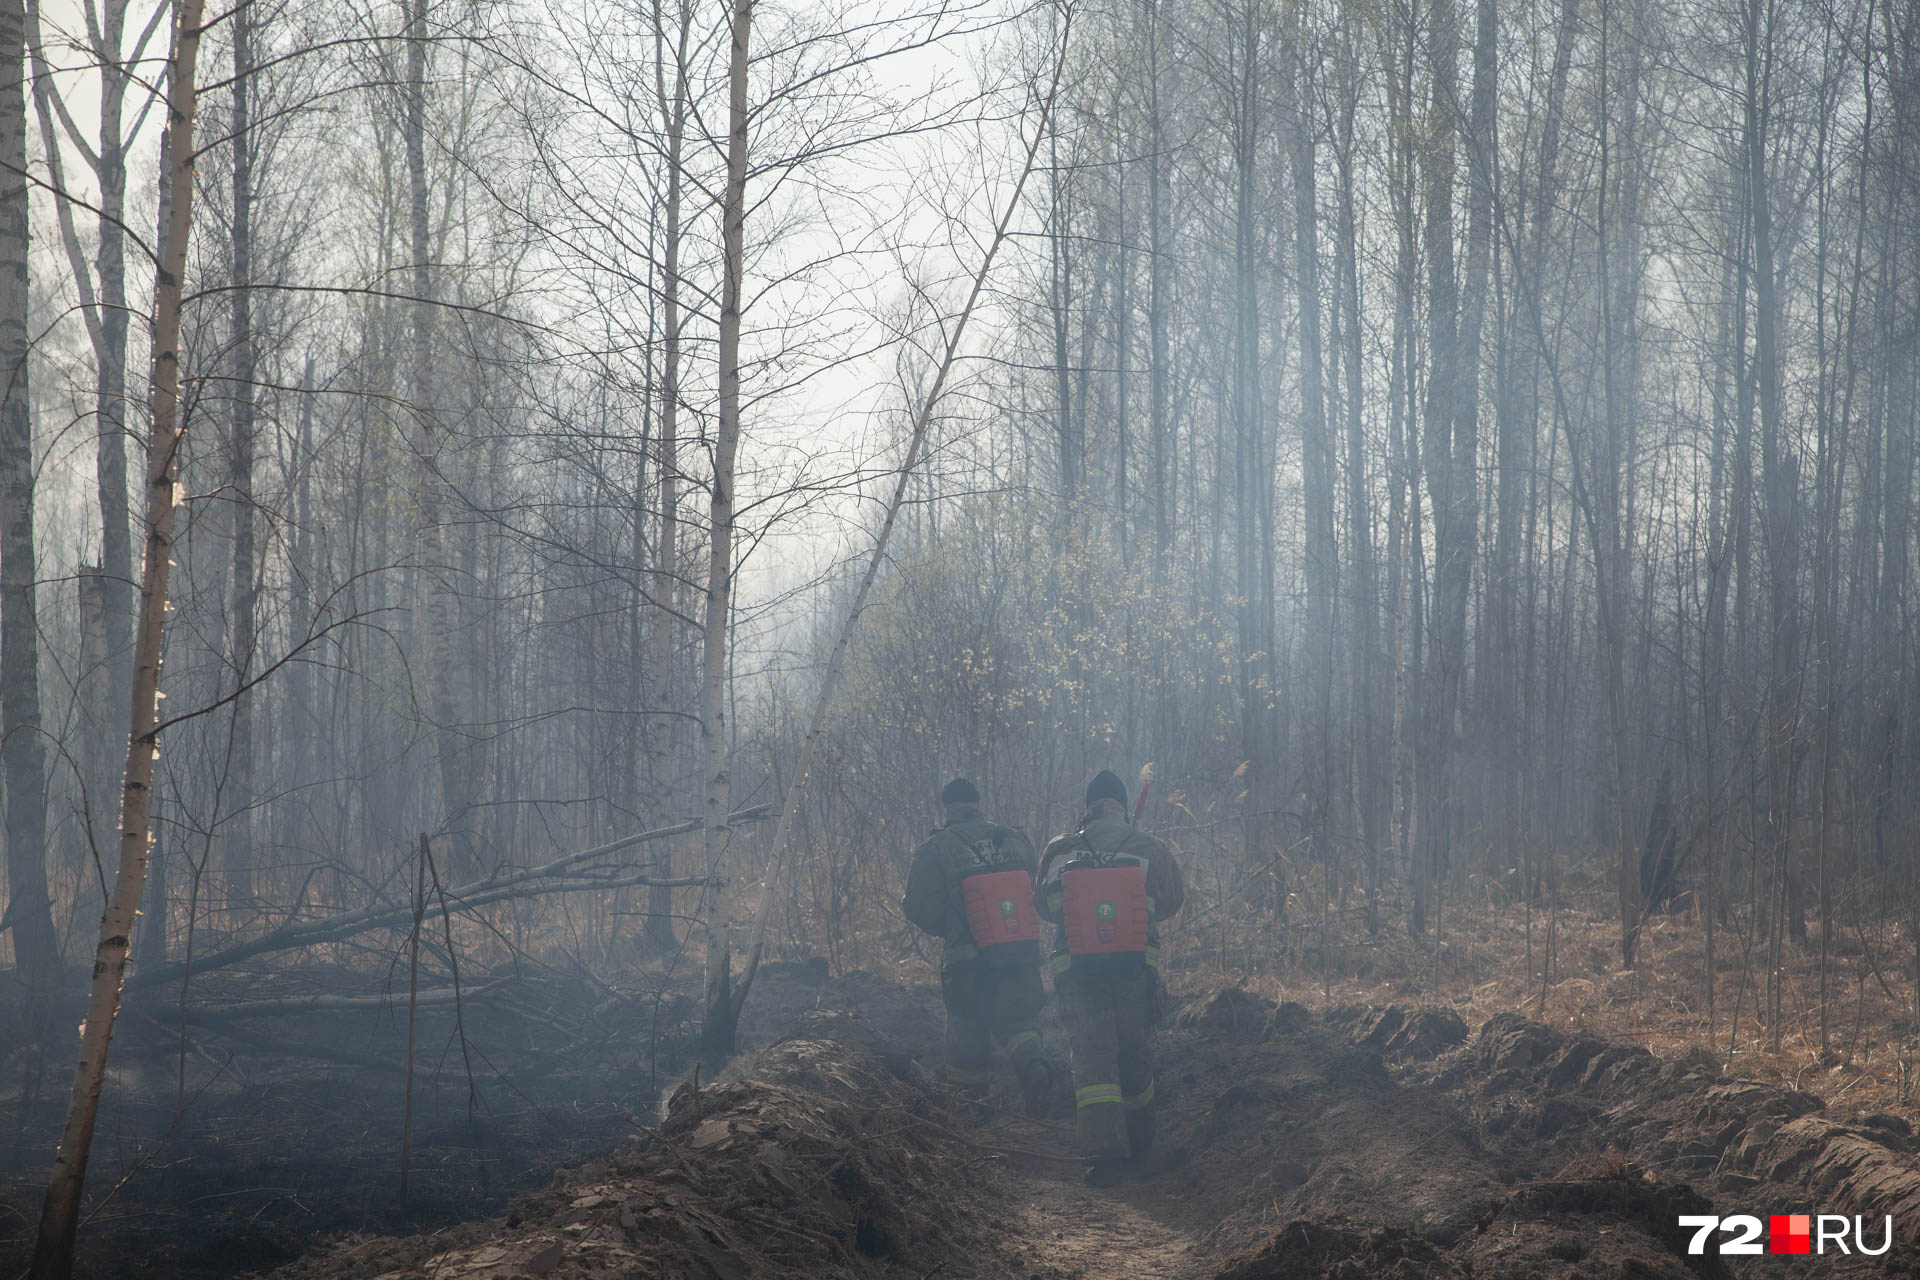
x: 1790, y: 1233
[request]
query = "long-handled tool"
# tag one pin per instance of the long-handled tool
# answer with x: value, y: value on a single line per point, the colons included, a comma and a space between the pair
x: 1145, y: 783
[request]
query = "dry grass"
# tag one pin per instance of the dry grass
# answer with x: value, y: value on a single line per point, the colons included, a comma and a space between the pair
x: 1482, y: 962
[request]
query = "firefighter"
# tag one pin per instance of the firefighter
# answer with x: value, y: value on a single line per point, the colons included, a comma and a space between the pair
x: 1104, y: 887
x: 971, y: 886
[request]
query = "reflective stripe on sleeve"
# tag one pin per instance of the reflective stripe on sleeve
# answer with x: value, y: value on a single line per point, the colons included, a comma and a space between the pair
x: 1141, y: 1100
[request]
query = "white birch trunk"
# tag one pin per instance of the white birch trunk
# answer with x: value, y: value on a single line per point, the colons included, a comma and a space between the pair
x: 717, y: 1034
x: 59, y: 1218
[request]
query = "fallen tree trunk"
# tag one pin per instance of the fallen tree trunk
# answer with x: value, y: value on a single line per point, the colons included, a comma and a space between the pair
x: 257, y: 1041
x: 300, y: 1005
x: 550, y: 877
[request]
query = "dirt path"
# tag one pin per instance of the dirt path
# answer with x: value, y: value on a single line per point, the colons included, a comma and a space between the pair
x: 1077, y: 1231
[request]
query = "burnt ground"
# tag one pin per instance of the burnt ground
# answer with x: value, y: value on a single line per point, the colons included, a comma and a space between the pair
x: 1341, y: 1142
x: 291, y: 1128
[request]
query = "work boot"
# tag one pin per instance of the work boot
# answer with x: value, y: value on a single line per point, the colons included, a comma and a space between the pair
x: 1106, y: 1171
x: 1036, y: 1086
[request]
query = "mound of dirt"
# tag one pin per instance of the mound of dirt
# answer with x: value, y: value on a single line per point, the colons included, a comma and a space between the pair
x: 1611, y: 1221
x: 1357, y: 1142
x: 1397, y: 1032
x: 1521, y: 1153
x: 812, y: 1159
x: 1311, y: 1125
x: 1756, y: 1145
x: 1614, y: 1223
x: 1231, y: 1013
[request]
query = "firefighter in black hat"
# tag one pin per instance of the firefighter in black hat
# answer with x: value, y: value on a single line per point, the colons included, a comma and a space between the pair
x: 971, y: 886
x: 1104, y: 887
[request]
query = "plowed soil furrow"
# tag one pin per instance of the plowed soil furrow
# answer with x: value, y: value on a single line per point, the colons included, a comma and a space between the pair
x: 1339, y: 1144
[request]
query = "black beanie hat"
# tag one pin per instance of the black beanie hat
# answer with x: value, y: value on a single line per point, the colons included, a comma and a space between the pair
x: 960, y: 791
x: 1106, y: 785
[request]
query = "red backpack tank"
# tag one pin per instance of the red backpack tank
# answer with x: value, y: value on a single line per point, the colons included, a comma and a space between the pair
x: 999, y: 906
x: 1104, y: 905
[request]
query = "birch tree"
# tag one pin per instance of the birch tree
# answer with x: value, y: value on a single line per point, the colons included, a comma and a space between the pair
x: 60, y: 1213
x: 717, y: 1029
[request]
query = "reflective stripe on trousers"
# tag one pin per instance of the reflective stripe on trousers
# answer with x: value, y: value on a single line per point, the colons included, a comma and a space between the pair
x: 1110, y: 1031
x: 985, y: 1006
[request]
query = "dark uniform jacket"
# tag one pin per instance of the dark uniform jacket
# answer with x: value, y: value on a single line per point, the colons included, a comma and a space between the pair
x: 1105, y: 829
x: 933, y: 900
